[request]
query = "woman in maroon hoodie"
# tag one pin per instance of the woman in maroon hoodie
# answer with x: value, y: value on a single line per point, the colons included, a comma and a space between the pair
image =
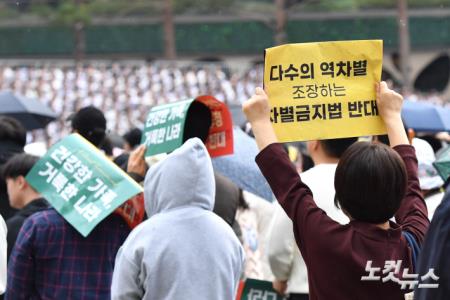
x: 371, y: 257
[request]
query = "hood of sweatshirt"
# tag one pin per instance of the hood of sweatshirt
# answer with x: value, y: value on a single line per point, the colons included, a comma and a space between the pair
x: 184, y: 179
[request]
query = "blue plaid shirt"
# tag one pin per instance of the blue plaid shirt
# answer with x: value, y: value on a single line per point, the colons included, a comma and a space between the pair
x: 51, y: 260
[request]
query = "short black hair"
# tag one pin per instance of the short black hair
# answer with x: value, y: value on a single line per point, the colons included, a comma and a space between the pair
x: 198, y: 122
x: 107, y: 146
x: 370, y: 182
x: 90, y: 123
x: 336, y: 147
x: 18, y: 165
x: 133, y: 137
x: 13, y: 131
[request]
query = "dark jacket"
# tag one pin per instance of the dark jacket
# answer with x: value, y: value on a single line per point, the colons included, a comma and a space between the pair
x: 227, y: 198
x: 52, y: 260
x: 7, y: 149
x: 435, y: 254
x: 15, y: 222
x: 227, y: 201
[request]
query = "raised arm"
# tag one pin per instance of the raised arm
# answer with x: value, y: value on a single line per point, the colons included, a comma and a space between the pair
x: 390, y: 107
x: 257, y: 111
x: 412, y: 214
x: 293, y: 195
x: 137, y: 167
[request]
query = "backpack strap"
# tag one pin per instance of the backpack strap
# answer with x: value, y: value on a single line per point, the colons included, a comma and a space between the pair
x: 414, y: 246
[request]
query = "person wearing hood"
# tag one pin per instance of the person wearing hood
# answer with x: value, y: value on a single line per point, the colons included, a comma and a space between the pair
x: 184, y: 250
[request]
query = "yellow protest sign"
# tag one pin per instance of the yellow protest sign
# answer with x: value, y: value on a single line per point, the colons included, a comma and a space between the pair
x: 324, y: 90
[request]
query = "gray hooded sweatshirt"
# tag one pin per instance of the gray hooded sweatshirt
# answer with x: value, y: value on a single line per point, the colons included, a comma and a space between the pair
x: 183, y: 251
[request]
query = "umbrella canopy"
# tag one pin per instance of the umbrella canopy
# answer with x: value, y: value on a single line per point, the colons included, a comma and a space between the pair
x: 30, y: 112
x: 444, y: 113
x: 241, y: 168
x: 238, y: 116
x: 442, y: 163
x: 425, y: 117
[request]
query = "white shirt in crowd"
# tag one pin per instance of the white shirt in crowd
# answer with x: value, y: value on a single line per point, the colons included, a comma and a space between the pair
x: 285, y: 259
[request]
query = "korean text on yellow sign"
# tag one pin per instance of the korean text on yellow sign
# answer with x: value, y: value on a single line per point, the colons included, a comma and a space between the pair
x: 324, y: 90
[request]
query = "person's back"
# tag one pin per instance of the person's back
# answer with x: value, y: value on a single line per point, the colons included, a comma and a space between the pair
x: 366, y: 258
x: 286, y: 261
x: 354, y: 258
x: 184, y: 250
x: 177, y: 264
x: 51, y: 260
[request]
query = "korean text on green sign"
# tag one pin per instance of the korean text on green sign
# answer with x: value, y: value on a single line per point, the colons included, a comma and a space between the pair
x: 81, y: 183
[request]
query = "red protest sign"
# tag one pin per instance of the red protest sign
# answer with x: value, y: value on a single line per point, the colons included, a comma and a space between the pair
x: 166, y: 126
x: 132, y: 211
x: 220, y: 137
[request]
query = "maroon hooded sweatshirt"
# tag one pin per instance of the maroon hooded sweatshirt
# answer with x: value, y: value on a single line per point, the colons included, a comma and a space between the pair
x: 336, y: 255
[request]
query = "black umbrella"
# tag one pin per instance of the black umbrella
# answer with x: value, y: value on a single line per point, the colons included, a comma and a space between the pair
x: 30, y: 112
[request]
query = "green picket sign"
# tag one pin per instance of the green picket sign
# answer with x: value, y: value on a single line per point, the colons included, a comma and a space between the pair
x: 163, y: 131
x: 81, y: 183
x: 164, y: 128
x: 442, y: 163
x: 259, y: 290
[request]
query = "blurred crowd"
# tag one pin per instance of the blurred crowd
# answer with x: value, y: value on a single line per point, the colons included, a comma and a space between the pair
x: 123, y: 91
x: 432, y: 97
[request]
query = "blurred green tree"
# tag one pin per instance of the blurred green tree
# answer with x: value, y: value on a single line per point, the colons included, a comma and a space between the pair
x: 75, y: 14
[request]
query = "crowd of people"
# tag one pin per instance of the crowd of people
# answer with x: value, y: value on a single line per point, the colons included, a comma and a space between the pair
x: 343, y: 211
x: 123, y: 91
